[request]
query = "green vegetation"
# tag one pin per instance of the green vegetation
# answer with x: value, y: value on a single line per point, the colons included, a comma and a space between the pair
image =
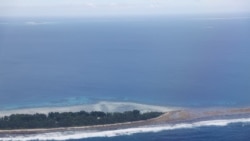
x: 70, y: 119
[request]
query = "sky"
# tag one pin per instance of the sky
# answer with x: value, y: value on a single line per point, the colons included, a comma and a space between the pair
x: 119, y: 7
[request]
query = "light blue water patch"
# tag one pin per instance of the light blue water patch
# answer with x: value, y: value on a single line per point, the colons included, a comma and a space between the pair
x: 69, y: 101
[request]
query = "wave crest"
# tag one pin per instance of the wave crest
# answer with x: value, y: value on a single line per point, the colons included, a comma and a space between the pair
x: 121, y: 132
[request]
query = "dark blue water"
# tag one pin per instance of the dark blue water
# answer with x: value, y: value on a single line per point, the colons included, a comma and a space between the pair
x: 164, y: 61
x: 234, y: 132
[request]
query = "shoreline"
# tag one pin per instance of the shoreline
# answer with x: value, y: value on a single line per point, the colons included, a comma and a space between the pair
x: 171, y: 117
x: 104, y: 106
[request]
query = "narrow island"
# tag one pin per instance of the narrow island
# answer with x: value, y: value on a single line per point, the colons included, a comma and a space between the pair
x: 72, y: 119
x: 34, y: 125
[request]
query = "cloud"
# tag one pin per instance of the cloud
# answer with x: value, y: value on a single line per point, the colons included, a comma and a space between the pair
x: 90, y: 4
x: 37, y: 23
x: 225, y: 18
x: 116, y: 7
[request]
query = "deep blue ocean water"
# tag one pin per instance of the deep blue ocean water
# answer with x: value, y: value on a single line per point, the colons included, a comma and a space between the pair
x: 194, y: 62
x: 166, y: 61
x: 233, y: 132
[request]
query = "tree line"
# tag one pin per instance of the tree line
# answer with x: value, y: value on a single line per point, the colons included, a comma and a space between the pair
x: 70, y: 119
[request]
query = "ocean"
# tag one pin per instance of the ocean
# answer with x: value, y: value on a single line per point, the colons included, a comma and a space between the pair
x: 232, y: 132
x: 219, y: 130
x: 167, y: 61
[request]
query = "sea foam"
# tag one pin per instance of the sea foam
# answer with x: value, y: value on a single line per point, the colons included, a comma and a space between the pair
x: 122, y: 132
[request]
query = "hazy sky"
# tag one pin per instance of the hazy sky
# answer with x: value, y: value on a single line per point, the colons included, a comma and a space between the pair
x: 119, y: 7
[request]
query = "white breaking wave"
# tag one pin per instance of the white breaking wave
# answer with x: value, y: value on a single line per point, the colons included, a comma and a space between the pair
x: 121, y: 132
